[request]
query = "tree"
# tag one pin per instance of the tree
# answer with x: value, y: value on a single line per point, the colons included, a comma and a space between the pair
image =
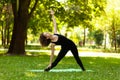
x: 98, y: 35
x: 118, y: 38
x: 81, y: 12
x: 113, y: 11
x: 41, y: 19
x: 22, y: 16
x: 5, y: 21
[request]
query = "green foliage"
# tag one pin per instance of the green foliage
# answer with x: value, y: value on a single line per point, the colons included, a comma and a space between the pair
x: 72, y: 12
x: 77, y: 12
x: 4, y: 1
x: 17, y: 68
x: 41, y: 19
x: 89, y: 14
x: 98, y: 35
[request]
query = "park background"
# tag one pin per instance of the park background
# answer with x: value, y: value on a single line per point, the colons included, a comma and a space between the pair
x: 94, y: 26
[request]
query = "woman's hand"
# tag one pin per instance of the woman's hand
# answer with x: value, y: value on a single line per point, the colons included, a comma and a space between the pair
x: 52, y: 12
x: 49, y: 66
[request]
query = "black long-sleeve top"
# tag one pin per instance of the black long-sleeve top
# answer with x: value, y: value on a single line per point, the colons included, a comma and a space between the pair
x: 64, y: 42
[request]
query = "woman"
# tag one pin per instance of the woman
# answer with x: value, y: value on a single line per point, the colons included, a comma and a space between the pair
x: 66, y: 45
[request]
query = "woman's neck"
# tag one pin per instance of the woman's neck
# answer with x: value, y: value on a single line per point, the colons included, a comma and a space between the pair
x: 54, y: 38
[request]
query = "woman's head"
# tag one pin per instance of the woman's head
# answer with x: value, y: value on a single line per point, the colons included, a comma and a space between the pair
x: 44, y: 39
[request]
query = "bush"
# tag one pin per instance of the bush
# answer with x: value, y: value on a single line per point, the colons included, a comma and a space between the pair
x: 98, y: 36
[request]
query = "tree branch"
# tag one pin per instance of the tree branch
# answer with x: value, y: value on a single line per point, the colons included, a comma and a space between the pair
x: 32, y: 10
x: 14, y: 8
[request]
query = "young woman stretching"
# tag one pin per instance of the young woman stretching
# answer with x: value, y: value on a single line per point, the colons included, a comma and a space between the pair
x: 66, y: 45
x: 56, y: 39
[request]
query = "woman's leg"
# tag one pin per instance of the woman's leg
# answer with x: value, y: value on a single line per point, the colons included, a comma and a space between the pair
x: 61, y: 54
x: 76, y: 56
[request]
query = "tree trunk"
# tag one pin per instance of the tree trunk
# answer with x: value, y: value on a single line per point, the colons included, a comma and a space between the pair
x: 2, y: 34
x: 84, y: 39
x: 17, y: 44
x: 114, y: 34
x: 21, y: 18
x: 105, y: 40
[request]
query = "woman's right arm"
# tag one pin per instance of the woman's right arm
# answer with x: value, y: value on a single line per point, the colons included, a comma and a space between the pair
x: 52, y: 54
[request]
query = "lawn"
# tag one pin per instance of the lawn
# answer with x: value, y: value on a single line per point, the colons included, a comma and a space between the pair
x: 17, y: 68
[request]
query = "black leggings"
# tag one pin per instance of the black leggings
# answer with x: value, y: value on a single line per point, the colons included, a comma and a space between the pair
x: 63, y: 52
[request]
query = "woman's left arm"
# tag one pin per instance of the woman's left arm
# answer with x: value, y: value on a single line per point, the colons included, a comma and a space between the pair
x: 54, y: 21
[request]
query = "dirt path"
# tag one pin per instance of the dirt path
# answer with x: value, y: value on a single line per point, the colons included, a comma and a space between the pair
x: 82, y: 54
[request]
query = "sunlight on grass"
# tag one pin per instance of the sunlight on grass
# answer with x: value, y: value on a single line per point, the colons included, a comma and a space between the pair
x: 30, y: 74
x: 16, y: 67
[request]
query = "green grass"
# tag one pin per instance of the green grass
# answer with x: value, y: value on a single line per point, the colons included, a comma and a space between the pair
x: 16, y: 68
